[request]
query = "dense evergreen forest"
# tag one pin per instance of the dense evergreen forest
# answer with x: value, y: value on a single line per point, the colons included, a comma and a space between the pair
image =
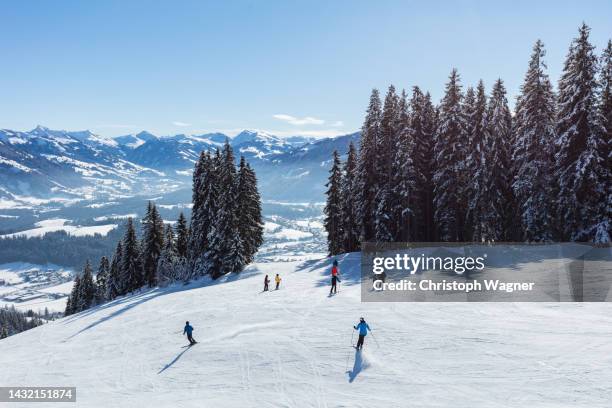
x: 470, y: 169
x: 59, y: 248
x: 13, y: 321
x: 223, y: 235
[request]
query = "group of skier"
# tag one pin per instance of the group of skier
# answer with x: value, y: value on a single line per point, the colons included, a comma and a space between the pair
x: 362, y: 326
x: 277, y: 280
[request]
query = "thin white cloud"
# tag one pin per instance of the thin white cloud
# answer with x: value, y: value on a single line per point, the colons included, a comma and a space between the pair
x: 181, y: 124
x: 337, y: 123
x: 308, y: 120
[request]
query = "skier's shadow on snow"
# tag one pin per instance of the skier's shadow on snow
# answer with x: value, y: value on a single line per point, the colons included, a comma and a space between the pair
x: 170, y: 364
x: 358, y: 366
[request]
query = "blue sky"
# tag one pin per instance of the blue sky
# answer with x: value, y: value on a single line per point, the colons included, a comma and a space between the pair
x: 288, y: 67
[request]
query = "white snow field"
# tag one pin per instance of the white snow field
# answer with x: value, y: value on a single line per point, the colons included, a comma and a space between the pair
x: 292, y: 348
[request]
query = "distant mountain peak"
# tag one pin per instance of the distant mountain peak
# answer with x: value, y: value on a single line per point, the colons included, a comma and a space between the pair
x: 146, y: 136
x: 39, y: 128
x: 251, y: 136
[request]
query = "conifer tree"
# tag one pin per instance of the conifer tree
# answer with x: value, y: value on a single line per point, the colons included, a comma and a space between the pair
x: 367, y: 177
x: 581, y: 171
x: 384, y: 222
x: 168, y: 267
x: 115, y: 286
x: 102, y: 280
x: 200, y: 213
x: 405, y: 176
x: 233, y: 253
x: 131, y: 272
x: 72, y: 297
x: 72, y: 305
x: 606, y: 114
x: 152, y: 243
x: 333, y: 208
x: 532, y: 155
x: 250, y: 224
x: 87, y: 289
x: 182, y: 236
x: 348, y: 194
x: 475, y: 106
x: 424, y: 158
x: 449, y: 176
x: 212, y: 258
x: 204, y: 240
x: 68, y: 309
x: 497, y: 212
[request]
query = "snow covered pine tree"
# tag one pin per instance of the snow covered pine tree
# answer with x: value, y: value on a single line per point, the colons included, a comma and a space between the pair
x: 581, y: 170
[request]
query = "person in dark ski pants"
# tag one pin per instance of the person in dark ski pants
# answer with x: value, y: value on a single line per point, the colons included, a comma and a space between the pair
x: 335, y: 278
x: 266, y: 282
x: 189, y: 330
x: 363, y: 331
x: 277, y: 279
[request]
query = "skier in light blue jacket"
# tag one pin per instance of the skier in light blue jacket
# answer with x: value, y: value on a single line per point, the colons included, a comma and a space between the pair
x: 363, y: 331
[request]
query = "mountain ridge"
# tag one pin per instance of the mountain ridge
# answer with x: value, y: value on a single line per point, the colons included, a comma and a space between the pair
x: 47, y: 163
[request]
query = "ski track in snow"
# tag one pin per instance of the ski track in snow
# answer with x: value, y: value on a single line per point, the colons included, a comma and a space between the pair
x: 292, y: 348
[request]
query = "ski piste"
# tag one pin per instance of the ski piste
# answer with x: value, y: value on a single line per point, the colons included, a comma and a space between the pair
x: 254, y: 341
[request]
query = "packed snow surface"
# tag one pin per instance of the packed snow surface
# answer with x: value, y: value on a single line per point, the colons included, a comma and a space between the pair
x: 292, y: 348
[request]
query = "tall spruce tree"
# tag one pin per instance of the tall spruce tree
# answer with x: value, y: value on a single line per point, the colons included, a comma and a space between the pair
x: 152, y: 243
x: 384, y: 222
x: 250, y: 224
x: 475, y: 106
x: 198, y: 236
x: 424, y: 158
x: 168, y: 269
x: 205, y: 202
x: 131, y: 272
x: 532, y: 155
x: 87, y: 289
x: 233, y: 253
x: 73, y: 299
x: 449, y: 175
x: 333, y: 208
x: 212, y: 259
x: 115, y: 286
x: 606, y: 114
x: 405, y: 176
x: 581, y: 171
x: 68, y: 309
x: 102, y: 280
x: 367, y: 177
x: 182, y: 236
x: 348, y: 196
x: 496, y: 216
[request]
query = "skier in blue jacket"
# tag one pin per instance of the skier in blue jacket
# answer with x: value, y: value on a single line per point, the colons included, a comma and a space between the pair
x: 363, y: 331
x: 189, y: 330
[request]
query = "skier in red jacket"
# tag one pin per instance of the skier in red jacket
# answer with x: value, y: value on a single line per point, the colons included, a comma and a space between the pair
x: 335, y: 277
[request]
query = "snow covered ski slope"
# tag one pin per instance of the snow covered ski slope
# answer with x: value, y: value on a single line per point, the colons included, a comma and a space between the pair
x: 292, y: 348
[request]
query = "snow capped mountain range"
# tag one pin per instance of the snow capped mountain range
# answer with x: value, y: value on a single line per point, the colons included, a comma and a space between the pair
x: 64, y: 165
